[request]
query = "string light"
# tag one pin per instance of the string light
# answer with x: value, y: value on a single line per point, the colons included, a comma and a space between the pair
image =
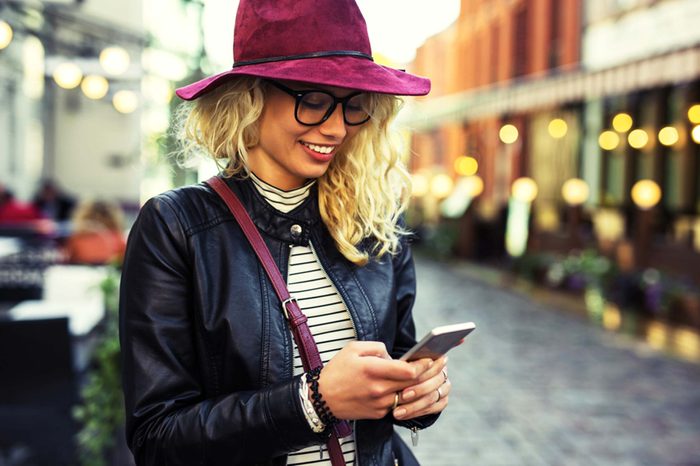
x: 668, y: 136
x: 94, y: 87
x: 622, y: 122
x: 125, y: 101
x: 609, y: 140
x: 557, y: 128
x: 115, y: 60
x: 68, y: 75
x: 466, y: 166
x: 638, y: 138
x: 508, y: 134
x: 6, y: 34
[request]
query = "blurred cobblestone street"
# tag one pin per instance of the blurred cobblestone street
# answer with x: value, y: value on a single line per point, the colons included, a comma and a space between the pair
x: 533, y: 386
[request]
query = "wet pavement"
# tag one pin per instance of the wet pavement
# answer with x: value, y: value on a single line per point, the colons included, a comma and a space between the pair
x: 535, y: 386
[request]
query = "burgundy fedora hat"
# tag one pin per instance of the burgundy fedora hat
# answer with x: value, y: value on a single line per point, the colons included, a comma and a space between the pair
x: 311, y: 41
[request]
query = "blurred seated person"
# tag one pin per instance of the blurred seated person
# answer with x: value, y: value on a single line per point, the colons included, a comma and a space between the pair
x: 13, y: 211
x: 53, y: 203
x: 97, y: 236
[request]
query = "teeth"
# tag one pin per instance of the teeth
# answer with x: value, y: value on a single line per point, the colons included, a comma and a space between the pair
x: 320, y: 149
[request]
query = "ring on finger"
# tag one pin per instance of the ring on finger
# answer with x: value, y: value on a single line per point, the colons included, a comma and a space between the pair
x: 440, y: 395
x: 444, y: 373
x: 396, y: 401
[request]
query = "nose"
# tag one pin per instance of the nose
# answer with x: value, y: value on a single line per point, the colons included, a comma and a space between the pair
x: 334, y: 126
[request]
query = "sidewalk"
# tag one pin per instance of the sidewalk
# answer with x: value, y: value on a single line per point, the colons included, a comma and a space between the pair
x: 533, y: 386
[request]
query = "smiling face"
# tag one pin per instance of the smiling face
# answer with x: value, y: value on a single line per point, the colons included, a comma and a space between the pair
x: 289, y: 153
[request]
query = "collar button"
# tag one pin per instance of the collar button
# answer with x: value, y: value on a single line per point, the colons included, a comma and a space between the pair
x: 296, y: 230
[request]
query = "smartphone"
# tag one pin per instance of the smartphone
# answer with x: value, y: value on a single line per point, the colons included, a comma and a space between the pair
x: 439, y: 341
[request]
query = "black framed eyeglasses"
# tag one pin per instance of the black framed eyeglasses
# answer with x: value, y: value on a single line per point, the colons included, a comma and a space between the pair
x: 314, y: 106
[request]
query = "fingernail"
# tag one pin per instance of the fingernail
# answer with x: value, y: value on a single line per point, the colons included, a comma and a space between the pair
x: 399, y: 413
x: 409, y: 394
x: 430, y: 364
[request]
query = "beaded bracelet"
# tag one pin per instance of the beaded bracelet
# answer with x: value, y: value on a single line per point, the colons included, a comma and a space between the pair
x: 324, y: 413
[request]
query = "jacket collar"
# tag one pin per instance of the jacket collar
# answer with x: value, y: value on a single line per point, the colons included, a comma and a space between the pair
x: 293, y: 227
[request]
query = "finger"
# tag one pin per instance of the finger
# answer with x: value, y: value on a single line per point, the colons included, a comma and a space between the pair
x: 426, y: 386
x: 422, y: 365
x: 370, y: 348
x: 433, y: 371
x: 390, y: 369
x: 427, y: 404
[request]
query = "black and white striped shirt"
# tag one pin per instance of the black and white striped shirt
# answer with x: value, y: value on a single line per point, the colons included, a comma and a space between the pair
x: 328, y: 317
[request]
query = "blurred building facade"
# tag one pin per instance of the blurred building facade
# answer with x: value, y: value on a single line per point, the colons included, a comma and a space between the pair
x: 530, y: 88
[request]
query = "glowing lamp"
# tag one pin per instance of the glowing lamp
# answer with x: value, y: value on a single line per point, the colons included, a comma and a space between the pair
x: 575, y: 191
x: 668, y: 136
x: 557, y: 128
x: 508, y: 134
x: 114, y: 60
x: 622, y: 122
x: 694, y: 114
x: 5, y: 34
x: 94, y: 87
x: 466, y: 166
x: 695, y: 133
x: 125, y: 101
x: 441, y: 186
x: 608, y: 140
x: 638, y: 138
x: 419, y: 185
x: 68, y: 75
x: 524, y: 189
x: 474, y: 185
x: 646, y: 194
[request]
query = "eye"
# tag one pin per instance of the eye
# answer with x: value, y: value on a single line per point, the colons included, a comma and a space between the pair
x: 358, y: 103
x: 315, y: 101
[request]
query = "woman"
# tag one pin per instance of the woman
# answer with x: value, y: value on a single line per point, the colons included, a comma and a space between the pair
x: 211, y: 374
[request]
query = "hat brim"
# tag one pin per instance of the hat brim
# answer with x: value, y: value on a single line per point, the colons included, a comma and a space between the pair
x: 346, y: 72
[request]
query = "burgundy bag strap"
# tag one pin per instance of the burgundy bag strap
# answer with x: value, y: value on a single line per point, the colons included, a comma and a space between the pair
x: 306, y: 344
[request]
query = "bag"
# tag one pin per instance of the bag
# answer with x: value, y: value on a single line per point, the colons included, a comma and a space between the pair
x: 403, y: 456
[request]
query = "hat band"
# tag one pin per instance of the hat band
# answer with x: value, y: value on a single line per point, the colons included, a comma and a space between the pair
x: 332, y: 53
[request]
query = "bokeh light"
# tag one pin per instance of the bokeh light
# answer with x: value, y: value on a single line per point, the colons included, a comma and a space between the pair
x: 695, y: 133
x: 694, y: 114
x: 125, y: 101
x: 524, y: 189
x: 575, y: 191
x: 94, y: 87
x: 157, y: 89
x: 419, y: 185
x: 668, y: 136
x: 68, y: 75
x: 609, y: 140
x: 646, y: 194
x: 466, y: 166
x: 115, y: 60
x: 638, y: 138
x: 508, y: 134
x: 475, y: 185
x: 6, y: 34
x: 441, y: 185
x: 622, y: 122
x: 557, y: 128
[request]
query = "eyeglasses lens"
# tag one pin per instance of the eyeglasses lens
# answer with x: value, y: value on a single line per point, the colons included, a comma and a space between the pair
x: 314, y: 106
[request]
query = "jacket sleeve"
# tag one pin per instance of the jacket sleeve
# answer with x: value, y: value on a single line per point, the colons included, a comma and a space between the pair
x: 170, y: 420
x: 405, y: 274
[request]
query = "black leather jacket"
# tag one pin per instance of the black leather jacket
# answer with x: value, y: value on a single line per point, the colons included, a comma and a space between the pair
x: 207, y: 353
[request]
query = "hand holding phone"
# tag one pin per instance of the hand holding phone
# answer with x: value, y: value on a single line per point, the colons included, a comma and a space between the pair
x: 439, y: 341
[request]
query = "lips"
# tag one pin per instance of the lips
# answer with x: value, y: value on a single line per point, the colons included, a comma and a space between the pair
x: 322, y: 153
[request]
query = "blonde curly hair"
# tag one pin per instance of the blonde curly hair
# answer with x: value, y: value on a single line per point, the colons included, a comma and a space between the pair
x: 361, y: 195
